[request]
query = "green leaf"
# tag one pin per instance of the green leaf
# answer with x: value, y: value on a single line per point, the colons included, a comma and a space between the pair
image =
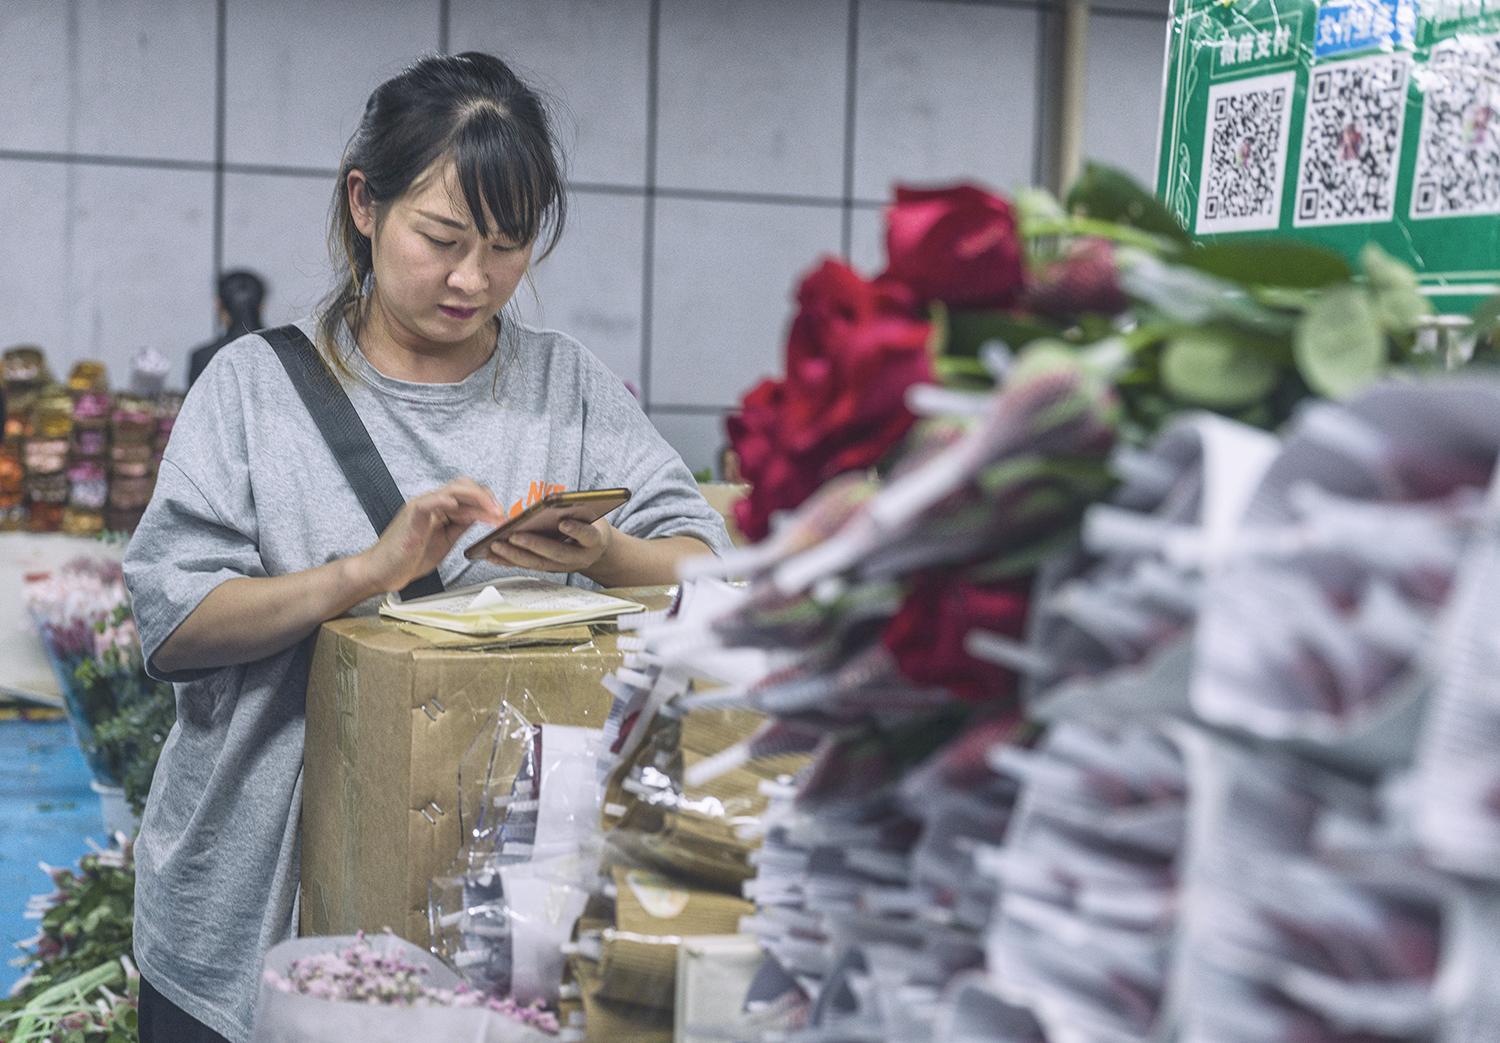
x: 1037, y: 204
x: 1487, y: 317
x: 1399, y: 302
x: 1112, y: 195
x: 1044, y: 356
x: 969, y: 331
x: 1271, y: 262
x: 1188, y: 297
x: 937, y: 335
x: 1338, y: 345
x: 964, y: 374
x: 1210, y: 367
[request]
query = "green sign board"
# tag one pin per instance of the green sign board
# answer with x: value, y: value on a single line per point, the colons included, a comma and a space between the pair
x: 1341, y: 122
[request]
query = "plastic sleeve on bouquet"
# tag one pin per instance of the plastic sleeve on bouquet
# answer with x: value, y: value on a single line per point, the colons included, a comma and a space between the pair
x: 1307, y: 910
x: 283, y: 1016
x: 1091, y: 873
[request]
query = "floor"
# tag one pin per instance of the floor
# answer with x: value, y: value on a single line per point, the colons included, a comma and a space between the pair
x: 46, y: 813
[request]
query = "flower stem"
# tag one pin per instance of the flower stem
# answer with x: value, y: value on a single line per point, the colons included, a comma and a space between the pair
x: 1091, y: 226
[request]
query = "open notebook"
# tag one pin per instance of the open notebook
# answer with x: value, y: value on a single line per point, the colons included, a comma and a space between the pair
x: 508, y: 606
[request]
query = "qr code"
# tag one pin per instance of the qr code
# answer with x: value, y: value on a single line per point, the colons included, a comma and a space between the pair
x: 1244, y: 154
x: 1351, y: 141
x: 1458, y: 154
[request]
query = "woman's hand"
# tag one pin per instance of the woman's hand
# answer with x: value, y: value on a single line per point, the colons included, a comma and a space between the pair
x: 424, y: 531
x: 584, y: 546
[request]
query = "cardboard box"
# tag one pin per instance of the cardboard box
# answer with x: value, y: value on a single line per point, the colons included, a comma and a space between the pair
x: 391, y: 711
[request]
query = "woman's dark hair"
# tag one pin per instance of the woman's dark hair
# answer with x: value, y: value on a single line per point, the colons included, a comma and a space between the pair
x: 470, y: 108
x: 241, y: 293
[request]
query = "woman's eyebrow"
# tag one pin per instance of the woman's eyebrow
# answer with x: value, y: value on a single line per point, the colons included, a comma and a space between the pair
x: 450, y: 222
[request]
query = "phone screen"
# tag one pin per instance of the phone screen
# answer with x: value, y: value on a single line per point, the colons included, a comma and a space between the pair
x: 547, y: 514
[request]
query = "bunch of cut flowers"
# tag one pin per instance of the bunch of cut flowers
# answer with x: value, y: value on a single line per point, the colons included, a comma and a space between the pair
x: 80, y: 985
x: 940, y: 431
x: 120, y: 715
x: 382, y: 988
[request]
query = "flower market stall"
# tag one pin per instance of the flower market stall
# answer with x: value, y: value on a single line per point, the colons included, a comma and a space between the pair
x: 1080, y: 683
x: 1104, y: 666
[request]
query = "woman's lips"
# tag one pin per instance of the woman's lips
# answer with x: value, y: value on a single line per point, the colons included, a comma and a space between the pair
x: 458, y: 313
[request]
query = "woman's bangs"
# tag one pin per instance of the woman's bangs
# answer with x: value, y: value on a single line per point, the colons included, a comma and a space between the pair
x: 505, y: 179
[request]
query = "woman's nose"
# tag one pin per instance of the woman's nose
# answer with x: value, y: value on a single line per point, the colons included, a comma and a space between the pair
x: 468, y: 277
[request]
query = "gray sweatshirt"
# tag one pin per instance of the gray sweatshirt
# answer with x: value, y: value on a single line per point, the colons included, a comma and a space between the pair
x: 248, y: 487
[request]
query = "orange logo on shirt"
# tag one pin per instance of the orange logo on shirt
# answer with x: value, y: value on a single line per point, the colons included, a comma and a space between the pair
x: 538, y: 491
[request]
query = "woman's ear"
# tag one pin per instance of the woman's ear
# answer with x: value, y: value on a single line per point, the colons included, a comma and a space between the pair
x: 361, y: 206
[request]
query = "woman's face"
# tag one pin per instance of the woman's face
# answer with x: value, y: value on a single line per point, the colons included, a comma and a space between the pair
x: 434, y: 275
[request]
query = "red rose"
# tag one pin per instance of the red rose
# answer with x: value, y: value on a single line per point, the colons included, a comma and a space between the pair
x: 775, y: 480
x: 956, y: 245
x: 927, y: 635
x: 854, y: 348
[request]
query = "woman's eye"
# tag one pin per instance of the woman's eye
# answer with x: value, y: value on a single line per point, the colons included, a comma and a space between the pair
x: 437, y: 242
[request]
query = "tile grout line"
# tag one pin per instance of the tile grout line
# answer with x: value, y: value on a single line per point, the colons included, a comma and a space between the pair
x: 688, y: 409
x: 648, y: 233
x: 88, y: 159
x: 1039, y: 135
x: 320, y: 174
x: 221, y: 81
x: 445, y: 14
x: 851, y: 86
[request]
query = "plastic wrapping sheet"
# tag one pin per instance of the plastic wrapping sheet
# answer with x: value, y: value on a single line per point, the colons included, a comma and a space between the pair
x: 290, y: 1017
x: 681, y: 811
x: 1114, y: 621
x: 1318, y: 631
x: 1309, y: 912
x: 867, y: 908
x: 504, y: 911
x: 1339, y: 123
x: 1458, y: 772
x: 1091, y: 876
x: 658, y: 814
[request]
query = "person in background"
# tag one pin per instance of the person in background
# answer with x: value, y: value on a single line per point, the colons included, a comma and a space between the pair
x: 240, y: 296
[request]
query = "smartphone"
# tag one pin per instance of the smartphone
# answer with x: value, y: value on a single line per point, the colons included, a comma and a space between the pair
x: 544, y: 516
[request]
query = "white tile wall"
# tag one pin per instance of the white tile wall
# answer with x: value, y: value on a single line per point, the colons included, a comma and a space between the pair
x: 105, y: 261
x: 109, y: 77
x: 298, y: 72
x: 140, y: 264
x: 752, y: 95
x: 33, y: 51
x: 725, y: 277
x: 590, y: 286
x: 1122, y: 92
x: 34, y: 254
x: 867, y: 242
x: 696, y: 437
x: 945, y: 91
x: 278, y: 228
x: 751, y: 99
x: 591, y: 56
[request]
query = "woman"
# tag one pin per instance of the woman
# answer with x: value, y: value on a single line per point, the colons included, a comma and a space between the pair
x: 254, y: 537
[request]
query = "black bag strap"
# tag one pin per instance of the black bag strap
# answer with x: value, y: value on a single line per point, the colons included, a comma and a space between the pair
x: 346, y: 435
